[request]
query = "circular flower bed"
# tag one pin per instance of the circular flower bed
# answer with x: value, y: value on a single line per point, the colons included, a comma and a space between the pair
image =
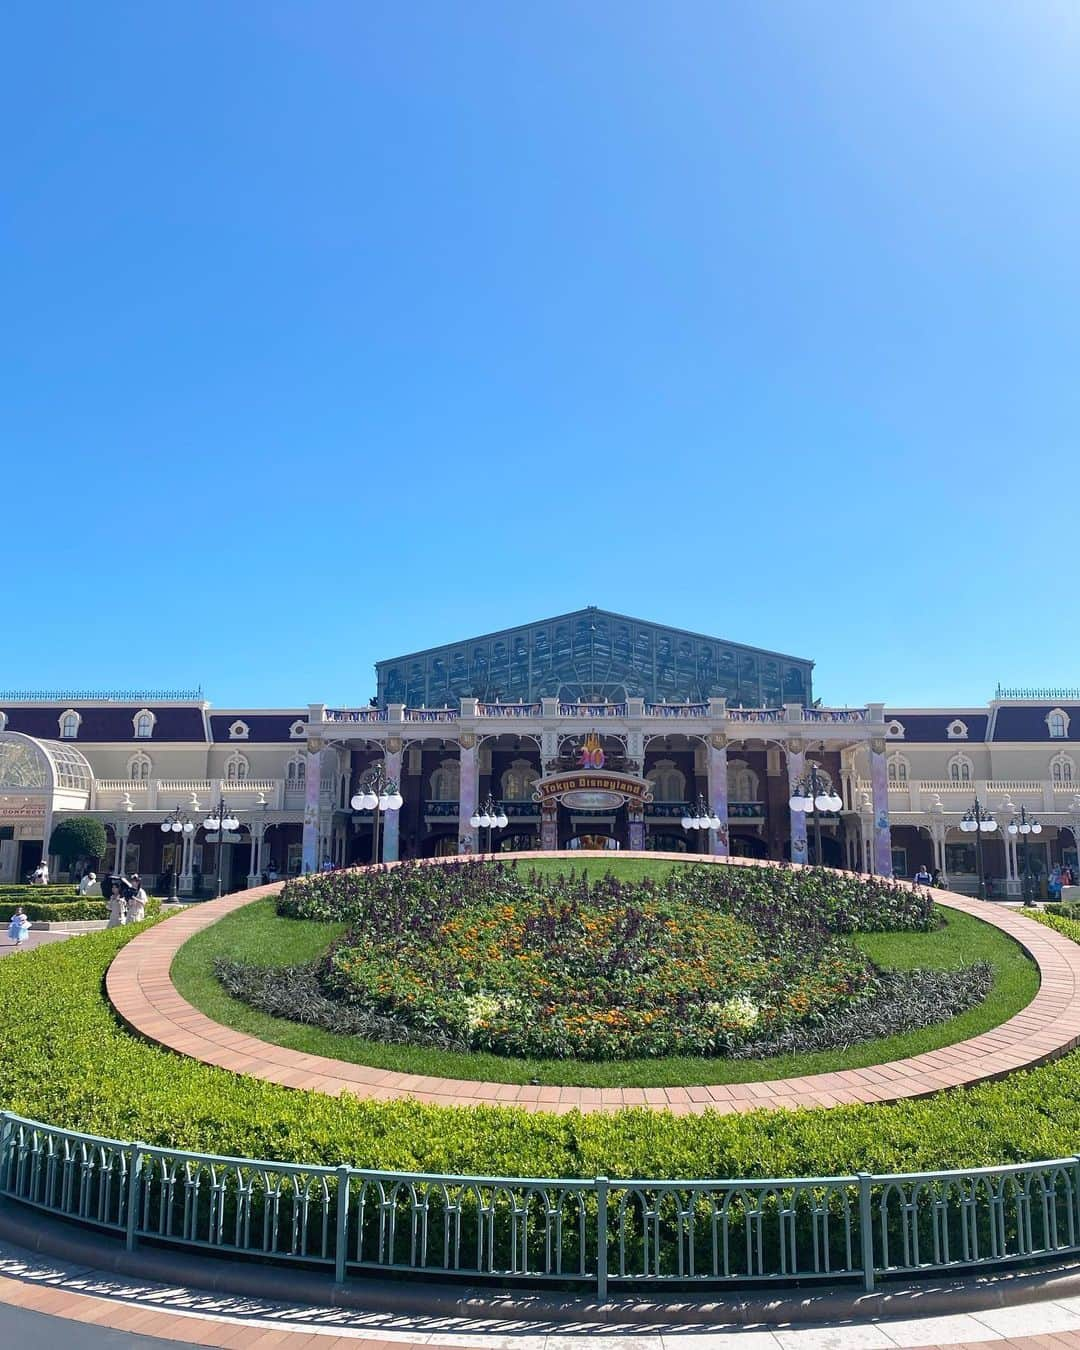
x: 706, y: 961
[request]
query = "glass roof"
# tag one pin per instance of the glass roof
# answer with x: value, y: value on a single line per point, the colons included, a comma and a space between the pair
x: 41, y: 766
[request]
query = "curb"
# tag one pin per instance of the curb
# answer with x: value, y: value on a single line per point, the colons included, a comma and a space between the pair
x: 225, y: 1274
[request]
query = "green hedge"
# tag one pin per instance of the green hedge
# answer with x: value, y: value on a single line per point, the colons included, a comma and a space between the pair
x: 65, y: 1058
x: 69, y: 911
x: 58, y: 890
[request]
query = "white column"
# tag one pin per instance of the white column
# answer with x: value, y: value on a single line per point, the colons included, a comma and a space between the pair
x: 312, y: 798
x: 467, y: 836
x: 719, y: 843
x: 253, y: 857
x: 796, y: 768
x: 391, y: 825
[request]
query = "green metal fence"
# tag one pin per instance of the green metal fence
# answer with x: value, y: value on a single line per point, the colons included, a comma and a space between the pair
x: 593, y: 1232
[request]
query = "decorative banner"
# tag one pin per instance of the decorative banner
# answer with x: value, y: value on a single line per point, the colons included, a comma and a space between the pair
x: 597, y: 791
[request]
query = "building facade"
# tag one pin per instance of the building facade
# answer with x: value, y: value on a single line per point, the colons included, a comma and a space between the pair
x: 591, y: 729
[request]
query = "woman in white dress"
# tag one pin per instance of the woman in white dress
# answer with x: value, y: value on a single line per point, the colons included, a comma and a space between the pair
x: 117, y: 908
x: 136, y: 906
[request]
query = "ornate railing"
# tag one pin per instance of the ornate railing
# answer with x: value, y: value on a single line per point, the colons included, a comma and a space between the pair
x: 432, y: 714
x: 101, y: 695
x: 756, y: 715
x: 593, y: 1231
x: 1052, y: 693
x: 841, y: 715
x: 355, y: 715
x: 592, y: 709
x: 508, y: 709
x: 441, y: 808
x: 676, y: 710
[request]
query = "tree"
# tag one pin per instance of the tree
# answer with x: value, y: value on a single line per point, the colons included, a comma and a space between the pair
x: 78, y: 837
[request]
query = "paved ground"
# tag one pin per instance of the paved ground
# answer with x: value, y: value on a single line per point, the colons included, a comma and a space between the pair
x: 37, y: 1331
x: 40, y: 938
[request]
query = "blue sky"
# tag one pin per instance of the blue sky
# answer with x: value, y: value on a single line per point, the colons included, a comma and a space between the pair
x: 337, y: 330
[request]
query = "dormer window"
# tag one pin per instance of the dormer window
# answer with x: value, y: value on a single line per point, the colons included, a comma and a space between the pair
x: 298, y: 730
x: 1057, y: 723
x: 3, y: 721
x: 238, y: 731
x: 895, y: 730
x: 70, y: 722
x: 143, y: 723
x: 957, y: 730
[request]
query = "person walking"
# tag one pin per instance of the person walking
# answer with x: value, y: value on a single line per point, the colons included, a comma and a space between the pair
x: 88, y: 883
x: 117, y: 907
x: 41, y: 875
x: 136, y: 906
x: 19, y: 927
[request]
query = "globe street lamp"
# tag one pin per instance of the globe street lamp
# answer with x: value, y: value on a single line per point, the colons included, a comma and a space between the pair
x: 701, y: 818
x: 812, y: 795
x: 978, y: 822
x: 491, y: 816
x: 217, y: 822
x: 375, y: 792
x: 1024, y: 827
x: 181, y: 826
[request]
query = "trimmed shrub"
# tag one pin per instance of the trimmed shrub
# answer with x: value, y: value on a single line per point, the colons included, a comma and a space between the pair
x: 72, y: 911
x: 78, y: 837
x: 65, y: 1058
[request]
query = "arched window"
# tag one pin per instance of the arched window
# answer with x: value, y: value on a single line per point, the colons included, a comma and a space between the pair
x: 143, y: 722
x: 446, y: 782
x: 518, y: 780
x: 3, y: 721
x: 1057, y: 723
x: 69, y: 724
x: 139, y: 767
x: 960, y: 769
x: 668, y: 782
x: 236, y: 768
x: 296, y: 771
x: 742, y: 782
x: 898, y: 769
x: 298, y: 729
x: 1062, y: 768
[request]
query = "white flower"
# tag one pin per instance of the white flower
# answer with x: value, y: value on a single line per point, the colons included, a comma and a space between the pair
x: 739, y: 1009
x: 481, y: 1007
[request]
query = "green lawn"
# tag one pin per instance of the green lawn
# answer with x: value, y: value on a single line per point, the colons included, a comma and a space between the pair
x: 256, y: 934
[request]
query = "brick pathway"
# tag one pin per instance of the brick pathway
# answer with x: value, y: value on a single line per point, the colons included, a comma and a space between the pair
x: 139, y: 986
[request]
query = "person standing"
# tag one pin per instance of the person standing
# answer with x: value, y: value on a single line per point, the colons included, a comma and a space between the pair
x: 87, y: 884
x: 19, y: 927
x: 923, y: 877
x: 41, y: 874
x: 136, y: 906
x: 117, y: 907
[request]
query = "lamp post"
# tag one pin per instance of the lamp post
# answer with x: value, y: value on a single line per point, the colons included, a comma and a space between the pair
x: 811, y: 794
x: 490, y: 816
x: 700, y: 818
x: 180, y: 825
x: 1025, y: 826
x: 375, y: 792
x: 218, y: 821
x: 978, y: 822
